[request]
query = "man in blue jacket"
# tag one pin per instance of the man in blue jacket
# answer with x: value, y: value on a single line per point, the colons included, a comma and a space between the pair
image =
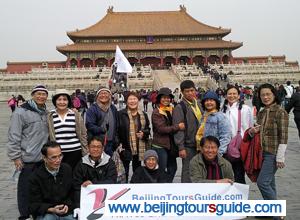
x: 102, y: 120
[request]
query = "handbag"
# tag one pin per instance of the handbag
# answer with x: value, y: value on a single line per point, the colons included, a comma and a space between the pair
x: 121, y: 174
x: 233, y: 149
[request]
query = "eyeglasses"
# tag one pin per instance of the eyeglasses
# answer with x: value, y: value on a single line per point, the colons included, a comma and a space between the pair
x: 55, y: 158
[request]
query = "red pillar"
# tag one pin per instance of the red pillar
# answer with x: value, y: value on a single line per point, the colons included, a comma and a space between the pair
x: 108, y: 62
x: 206, y: 61
x: 191, y: 60
x: 161, y: 61
x: 176, y: 60
x: 68, y: 63
x: 94, y: 63
x: 78, y: 62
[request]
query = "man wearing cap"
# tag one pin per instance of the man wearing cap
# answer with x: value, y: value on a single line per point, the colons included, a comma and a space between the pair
x: 102, y: 120
x: 27, y: 133
x: 189, y: 112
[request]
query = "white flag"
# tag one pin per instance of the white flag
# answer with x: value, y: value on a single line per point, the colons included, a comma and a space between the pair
x: 123, y: 66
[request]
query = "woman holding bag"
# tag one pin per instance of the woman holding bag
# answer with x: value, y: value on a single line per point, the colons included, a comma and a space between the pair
x: 273, y: 122
x: 240, y: 118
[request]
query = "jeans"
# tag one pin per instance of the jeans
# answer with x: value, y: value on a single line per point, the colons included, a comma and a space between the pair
x: 135, y: 164
x: 185, y: 172
x: 55, y: 217
x: 266, y: 177
x: 109, y: 148
x: 166, y: 161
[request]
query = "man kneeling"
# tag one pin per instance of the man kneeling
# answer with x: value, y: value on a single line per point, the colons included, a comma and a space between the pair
x: 50, y: 187
x: 95, y: 168
x: 208, y: 166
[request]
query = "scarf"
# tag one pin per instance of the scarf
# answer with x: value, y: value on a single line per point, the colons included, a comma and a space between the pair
x: 213, y: 169
x: 164, y: 108
x: 194, y: 106
x: 104, y: 107
x: 140, y: 150
x: 201, y: 129
x: 40, y: 110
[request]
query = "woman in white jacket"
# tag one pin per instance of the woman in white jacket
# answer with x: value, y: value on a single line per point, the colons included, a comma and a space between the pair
x: 231, y: 107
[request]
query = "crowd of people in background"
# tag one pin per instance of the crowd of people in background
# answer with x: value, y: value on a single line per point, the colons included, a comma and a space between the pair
x: 74, y: 145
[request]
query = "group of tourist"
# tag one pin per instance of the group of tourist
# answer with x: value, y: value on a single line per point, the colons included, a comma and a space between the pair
x: 58, y: 153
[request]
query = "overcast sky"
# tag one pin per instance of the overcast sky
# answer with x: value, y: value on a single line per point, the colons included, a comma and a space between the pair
x: 30, y: 30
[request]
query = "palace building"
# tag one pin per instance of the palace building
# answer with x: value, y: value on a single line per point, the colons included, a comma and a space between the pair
x: 157, y: 38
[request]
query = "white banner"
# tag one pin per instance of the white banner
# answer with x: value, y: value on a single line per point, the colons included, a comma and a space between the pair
x: 93, y: 203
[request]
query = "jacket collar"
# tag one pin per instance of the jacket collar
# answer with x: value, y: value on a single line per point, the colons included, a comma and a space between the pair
x: 103, y: 160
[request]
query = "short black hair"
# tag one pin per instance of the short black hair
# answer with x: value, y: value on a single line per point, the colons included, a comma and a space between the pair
x: 288, y: 83
x: 49, y: 144
x: 94, y: 138
x: 211, y: 139
x: 187, y: 84
x: 273, y: 90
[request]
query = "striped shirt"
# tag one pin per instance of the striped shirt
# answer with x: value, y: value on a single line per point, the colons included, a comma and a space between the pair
x: 65, y: 132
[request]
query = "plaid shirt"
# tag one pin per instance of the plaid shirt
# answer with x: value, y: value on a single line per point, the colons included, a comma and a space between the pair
x: 274, y: 128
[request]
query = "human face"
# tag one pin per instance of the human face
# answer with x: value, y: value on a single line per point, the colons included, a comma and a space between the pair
x: 40, y: 97
x: 267, y: 97
x: 53, y: 158
x: 210, y: 150
x: 95, y: 149
x: 132, y: 102
x: 151, y: 163
x: 232, y: 96
x: 62, y: 102
x: 103, y: 97
x: 165, y: 100
x: 210, y: 104
x: 189, y: 94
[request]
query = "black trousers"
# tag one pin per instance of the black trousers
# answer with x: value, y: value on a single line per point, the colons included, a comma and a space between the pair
x: 238, y: 171
x: 297, y: 122
x: 23, y: 188
x: 135, y: 164
x: 72, y: 158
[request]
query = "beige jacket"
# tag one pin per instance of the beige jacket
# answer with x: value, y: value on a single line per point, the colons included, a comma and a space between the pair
x: 80, y: 130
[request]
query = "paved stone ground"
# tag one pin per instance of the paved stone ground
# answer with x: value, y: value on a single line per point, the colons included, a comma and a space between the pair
x: 288, y: 179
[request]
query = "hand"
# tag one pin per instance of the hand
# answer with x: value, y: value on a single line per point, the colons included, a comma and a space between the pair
x: 76, y: 213
x: 60, y: 209
x: 18, y: 164
x: 86, y: 183
x: 182, y: 154
x: 140, y: 135
x: 225, y: 180
x: 181, y: 126
x: 280, y: 165
x: 255, y: 129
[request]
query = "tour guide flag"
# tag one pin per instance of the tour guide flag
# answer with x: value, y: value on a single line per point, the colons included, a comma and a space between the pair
x: 123, y: 66
x: 162, y: 201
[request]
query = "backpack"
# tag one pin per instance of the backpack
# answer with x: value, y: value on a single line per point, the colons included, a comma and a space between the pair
x: 76, y: 102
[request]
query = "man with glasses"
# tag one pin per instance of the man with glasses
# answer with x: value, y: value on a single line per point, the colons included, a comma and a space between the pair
x: 50, y: 187
x: 96, y: 167
x: 27, y: 133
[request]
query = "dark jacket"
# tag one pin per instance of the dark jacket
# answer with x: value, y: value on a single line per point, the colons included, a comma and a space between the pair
x: 294, y: 103
x: 186, y: 138
x: 163, y: 129
x: 104, y: 173
x: 144, y: 175
x: 95, y: 122
x: 124, y: 133
x: 45, y: 191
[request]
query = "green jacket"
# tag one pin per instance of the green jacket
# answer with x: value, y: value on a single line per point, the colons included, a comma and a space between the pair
x: 198, y: 170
